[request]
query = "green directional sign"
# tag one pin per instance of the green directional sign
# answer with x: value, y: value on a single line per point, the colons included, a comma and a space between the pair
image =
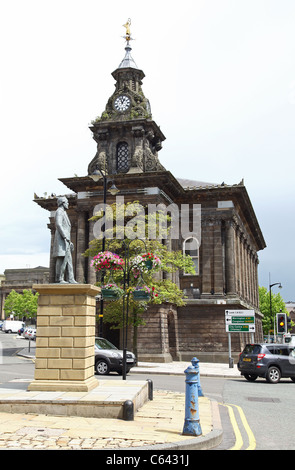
x: 242, y: 319
x: 238, y: 328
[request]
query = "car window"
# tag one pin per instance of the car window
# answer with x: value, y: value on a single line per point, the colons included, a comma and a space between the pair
x: 282, y: 351
x: 102, y: 343
x: 271, y: 349
x: 252, y: 349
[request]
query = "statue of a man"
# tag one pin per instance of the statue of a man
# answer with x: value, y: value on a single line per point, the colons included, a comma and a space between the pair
x: 62, y: 246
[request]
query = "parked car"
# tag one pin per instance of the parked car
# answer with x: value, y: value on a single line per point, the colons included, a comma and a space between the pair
x: 268, y: 360
x: 29, y: 333
x: 109, y: 358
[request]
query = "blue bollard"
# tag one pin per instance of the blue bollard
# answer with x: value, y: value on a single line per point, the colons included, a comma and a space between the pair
x: 192, y: 425
x: 195, y: 363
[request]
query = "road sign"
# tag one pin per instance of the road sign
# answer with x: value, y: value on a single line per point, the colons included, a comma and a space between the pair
x: 240, y: 321
x: 240, y: 328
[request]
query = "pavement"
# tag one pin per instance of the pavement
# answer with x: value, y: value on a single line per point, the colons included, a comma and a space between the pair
x: 157, y: 425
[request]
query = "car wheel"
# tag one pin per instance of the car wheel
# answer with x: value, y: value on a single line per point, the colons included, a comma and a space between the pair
x: 102, y: 367
x: 273, y: 375
x: 250, y: 377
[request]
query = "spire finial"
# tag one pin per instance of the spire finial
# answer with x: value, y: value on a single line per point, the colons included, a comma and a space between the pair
x: 128, y: 33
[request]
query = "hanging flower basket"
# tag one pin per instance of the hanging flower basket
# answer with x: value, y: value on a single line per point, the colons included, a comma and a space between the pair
x: 142, y: 293
x: 137, y: 295
x: 149, y: 264
x: 144, y: 263
x: 107, y: 260
x: 111, y: 292
x: 151, y: 261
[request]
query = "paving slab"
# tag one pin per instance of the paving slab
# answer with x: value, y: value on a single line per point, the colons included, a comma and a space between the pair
x: 152, y: 428
x: 105, y: 401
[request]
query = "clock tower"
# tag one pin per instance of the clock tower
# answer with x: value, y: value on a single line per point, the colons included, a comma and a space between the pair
x: 128, y: 140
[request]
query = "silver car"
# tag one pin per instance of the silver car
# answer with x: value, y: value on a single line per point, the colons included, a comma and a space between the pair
x: 109, y: 358
x: 29, y: 333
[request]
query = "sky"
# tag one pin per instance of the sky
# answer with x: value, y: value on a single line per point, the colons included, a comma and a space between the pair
x: 220, y: 78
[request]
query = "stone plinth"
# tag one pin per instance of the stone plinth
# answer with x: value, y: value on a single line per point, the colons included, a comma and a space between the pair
x: 65, y: 338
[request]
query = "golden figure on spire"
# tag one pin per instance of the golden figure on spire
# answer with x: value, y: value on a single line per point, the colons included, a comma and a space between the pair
x: 128, y: 33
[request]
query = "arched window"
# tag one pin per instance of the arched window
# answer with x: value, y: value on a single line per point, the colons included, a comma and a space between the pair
x: 191, y: 248
x: 122, y: 157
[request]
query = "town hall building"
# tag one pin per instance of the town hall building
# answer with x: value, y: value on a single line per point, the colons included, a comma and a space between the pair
x: 226, y: 246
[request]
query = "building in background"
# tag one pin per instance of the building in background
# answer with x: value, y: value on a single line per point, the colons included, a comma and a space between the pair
x: 20, y: 279
x: 226, y: 244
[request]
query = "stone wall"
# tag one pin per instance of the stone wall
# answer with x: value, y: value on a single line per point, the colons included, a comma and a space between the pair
x: 201, y: 332
x: 65, y: 337
x: 154, y: 342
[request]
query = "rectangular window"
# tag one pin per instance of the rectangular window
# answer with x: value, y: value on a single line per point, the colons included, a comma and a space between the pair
x: 191, y: 248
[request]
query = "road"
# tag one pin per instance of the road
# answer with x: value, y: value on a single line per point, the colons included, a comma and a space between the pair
x: 254, y: 415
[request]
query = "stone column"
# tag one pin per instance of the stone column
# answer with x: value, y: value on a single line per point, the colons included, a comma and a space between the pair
x: 207, y: 250
x: 238, y: 261
x: 91, y: 271
x: 218, y: 260
x: 81, y: 247
x: 230, y: 258
x: 65, y: 337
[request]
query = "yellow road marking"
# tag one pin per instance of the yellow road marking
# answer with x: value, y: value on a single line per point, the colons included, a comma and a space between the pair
x: 239, y: 440
x: 252, y: 440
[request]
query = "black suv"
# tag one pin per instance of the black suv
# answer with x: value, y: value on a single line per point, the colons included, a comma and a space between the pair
x: 268, y: 360
x: 109, y: 358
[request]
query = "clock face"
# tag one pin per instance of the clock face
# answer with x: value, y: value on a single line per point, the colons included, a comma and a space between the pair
x: 122, y: 103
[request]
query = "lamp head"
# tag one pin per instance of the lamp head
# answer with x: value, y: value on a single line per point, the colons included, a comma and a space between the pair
x: 114, y: 190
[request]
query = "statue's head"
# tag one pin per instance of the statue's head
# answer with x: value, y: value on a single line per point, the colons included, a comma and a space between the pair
x: 62, y: 201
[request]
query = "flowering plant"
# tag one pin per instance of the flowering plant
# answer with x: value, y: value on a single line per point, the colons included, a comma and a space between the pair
x: 106, y: 260
x: 143, y: 289
x: 143, y: 263
x: 114, y: 288
x: 153, y: 258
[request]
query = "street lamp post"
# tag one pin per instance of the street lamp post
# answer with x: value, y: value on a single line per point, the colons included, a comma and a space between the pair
x: 96, y: 175
x: 126, y: 283
x: 270, y: 307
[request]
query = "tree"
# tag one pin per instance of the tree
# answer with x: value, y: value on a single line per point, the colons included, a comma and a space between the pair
x: 21, y: 305
x: 30, y: 303
x: 277, y: 305
x: 164, y: 291
x: 12, y: 304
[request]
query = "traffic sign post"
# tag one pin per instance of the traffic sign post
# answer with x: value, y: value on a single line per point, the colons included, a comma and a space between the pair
x: 240, y: 328
x: 238, y: 321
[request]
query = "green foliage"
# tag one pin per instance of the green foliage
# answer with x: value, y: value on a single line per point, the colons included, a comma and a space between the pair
x: 21, y: 305
x: 277, y: 305
x: 12, y: 304
x: 167, y: 291
x: 138, y: 221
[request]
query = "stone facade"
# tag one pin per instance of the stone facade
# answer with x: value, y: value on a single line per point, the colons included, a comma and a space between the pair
x: 228, y: 238
x: 65, y: 337
x: 20, y: 279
